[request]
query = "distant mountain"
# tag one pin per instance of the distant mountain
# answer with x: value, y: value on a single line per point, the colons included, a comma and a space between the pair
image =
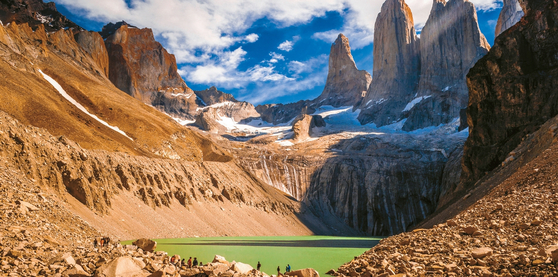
x: 35, y: 13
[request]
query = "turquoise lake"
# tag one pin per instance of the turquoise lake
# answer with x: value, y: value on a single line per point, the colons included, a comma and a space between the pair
x: 319, y: 252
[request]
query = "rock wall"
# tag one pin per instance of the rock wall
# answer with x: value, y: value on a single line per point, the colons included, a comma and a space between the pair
x: 93, y: 44
x: 382, y: 185
x: 511, y: 89
x: 345, y: 84
x: 450, y: 44
x: 396, y: 65
x: 511, y: 13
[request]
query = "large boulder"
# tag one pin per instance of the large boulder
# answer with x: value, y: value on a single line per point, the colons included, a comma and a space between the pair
x: 121, y: 267
x: 307, y: 272
x: 145, y: 244
x: 241, y: 268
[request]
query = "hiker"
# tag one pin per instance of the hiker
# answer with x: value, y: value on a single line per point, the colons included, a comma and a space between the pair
x: 173, y: 259
x: 95, y: 243
x: 259, y: 266
x: 201, y: 264
x: 195, y: 262
x: 190, y: 262
x: 181, y: 263
x: 278, y: 270
x: 107, y: 240
x: 288, y: 268
x: 102, y: 242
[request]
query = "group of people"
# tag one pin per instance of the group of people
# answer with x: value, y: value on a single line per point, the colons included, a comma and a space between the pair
x: 101, y: 242
x: 175, y: 260
x: 287, y: 268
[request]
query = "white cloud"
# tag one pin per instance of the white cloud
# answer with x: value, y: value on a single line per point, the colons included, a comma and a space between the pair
x: 252, y: 38
x: 286, y: 46
x: 275, y: 57
x: 297, y: 67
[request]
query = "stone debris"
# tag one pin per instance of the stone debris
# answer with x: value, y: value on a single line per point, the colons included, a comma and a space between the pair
x: 510, y: 232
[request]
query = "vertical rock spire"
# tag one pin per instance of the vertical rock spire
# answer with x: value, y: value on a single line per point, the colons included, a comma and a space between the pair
x: 345, y: 85
x: 511, y: 13
x: 396, y: 64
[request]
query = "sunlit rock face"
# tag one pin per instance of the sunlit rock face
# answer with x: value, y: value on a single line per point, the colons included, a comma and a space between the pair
x: 396, y: 65
x: 512, y: 89
x: 511, y: 13
x: 450, y: 44
x: 345, y: 85
x: 141, y: 67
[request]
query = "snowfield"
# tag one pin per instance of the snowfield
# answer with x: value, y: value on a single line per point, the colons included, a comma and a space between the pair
x: 64, y: 94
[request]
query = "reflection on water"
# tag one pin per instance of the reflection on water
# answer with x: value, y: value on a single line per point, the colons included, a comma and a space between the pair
x: 333, y: 243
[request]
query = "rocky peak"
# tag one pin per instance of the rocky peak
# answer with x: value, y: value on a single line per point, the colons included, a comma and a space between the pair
x: 511, y: 13
x: 93, y: 44
x: 34, y: 13
x: 450, y: 44
x: 141, y: 67
x: 212, y: 96
x: 303, y: 125
x: 111, y: 28
x: 345, y: 85
x: 396, y: 64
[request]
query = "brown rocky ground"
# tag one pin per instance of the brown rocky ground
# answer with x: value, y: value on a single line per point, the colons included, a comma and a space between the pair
x: 506, y: 226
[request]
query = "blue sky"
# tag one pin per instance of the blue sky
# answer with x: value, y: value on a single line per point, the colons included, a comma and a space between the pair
x: 261, y: 51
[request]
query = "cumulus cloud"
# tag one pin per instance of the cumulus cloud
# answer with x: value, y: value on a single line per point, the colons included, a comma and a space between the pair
x: 286, y: 46
x: 275, y: 57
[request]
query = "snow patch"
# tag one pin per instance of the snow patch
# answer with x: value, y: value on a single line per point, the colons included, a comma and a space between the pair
x: 59, y: 88
x: 415, y: 101
x: 182, y: 95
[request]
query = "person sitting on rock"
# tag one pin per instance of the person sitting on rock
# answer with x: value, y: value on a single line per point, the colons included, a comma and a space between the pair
x: 190, y: 262
x: 195, y: 262
x: 95, y: 243
x: 279, y: 271
x: 259, y: 266
x: 288, y: 268
x: 173, y: 259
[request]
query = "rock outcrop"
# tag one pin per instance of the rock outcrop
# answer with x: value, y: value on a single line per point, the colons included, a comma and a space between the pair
x: 450, y: 44
x: 141, y: 67
x: 511, y: 90
x: 35, y: 13
x: 396, y: 65
x: 303, y: 125
x: 511, y: 13
x: 283, y: 113
x: 345, y: 84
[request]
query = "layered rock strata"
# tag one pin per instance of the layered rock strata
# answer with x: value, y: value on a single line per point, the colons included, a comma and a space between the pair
x: 511, y: 90
x: 141, y: 67
x: 396, y: 65
x: 345, y: 84
x: 511, y: 13
x: 450, y: 44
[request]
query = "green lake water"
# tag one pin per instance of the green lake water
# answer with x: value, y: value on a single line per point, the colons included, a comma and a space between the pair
x: 319, y: 252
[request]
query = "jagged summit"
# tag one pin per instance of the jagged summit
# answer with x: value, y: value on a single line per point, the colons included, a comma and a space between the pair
x: 35, y: 13
x: 111, y: 28
x: 345, y: 85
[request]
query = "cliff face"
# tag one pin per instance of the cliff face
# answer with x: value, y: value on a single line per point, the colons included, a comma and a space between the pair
x: 383, y: 185
x: 512, y: 89
x: 511, y: 13
x: 141, y: 67
x: 345, y: 84
x: 450, y: 44
x: 396, y: 65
